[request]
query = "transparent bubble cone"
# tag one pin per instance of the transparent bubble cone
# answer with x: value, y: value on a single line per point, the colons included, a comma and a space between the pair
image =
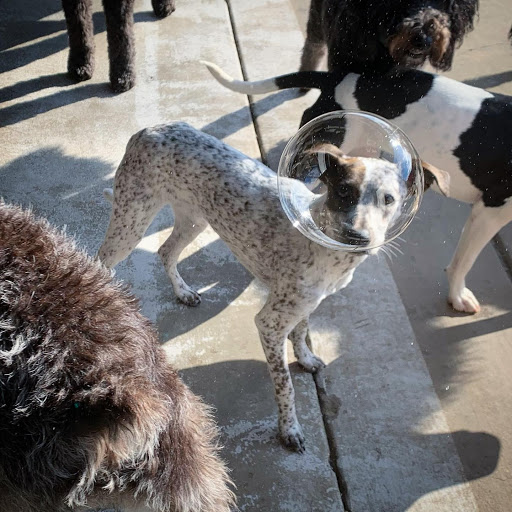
x: 377, y: 144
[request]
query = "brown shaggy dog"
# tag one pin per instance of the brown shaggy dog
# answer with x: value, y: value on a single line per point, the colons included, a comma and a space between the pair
x: 369, y: 35
x: 91, y: 413
x: 121, y: 44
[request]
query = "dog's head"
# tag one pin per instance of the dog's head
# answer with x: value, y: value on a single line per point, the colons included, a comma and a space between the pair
x: 364, y: 196
x: 430, y: 32
x: 424, y: 36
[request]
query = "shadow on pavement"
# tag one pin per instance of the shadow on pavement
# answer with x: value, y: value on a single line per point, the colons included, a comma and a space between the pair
x: 241, y: 394
x: 30, y: 27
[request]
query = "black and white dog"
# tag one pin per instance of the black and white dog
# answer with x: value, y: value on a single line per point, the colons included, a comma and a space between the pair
x: 208, y: 182
x: 460, y: 129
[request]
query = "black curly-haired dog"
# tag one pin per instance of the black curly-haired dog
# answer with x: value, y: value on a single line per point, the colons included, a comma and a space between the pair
x: 121, y: 44
x: 370, y: 35
x: 91, y: 413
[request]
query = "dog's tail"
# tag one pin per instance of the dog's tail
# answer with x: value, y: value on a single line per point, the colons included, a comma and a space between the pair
x: 300, y: 79
x: 108, y: 194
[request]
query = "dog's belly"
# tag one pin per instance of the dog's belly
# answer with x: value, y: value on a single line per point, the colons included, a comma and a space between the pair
x: 434, y: 123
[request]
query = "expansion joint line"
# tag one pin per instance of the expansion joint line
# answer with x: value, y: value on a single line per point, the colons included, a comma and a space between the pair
x: 322, y: 395
x: 254, y: 117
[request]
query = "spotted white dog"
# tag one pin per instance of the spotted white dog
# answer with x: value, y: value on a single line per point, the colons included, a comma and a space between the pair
x: 207, y: 181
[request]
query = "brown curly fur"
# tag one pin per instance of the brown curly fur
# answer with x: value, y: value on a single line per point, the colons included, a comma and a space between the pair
x: 91, y: 412
x: 367, y: 35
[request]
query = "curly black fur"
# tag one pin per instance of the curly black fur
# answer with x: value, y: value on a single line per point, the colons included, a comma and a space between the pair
x: 121, y: 44
x: 88, y: 400
x: 357, y: 33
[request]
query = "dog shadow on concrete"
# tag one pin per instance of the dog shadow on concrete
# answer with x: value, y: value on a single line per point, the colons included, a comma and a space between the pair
x: 68, y: 192
x: 488, y: 81
x: 26, y: 24
x: 232, y: 122
x: 391, y: 471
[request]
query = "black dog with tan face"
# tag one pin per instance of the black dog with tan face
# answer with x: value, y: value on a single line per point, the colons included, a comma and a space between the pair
x: 369, y: 35
x: 92, y: 416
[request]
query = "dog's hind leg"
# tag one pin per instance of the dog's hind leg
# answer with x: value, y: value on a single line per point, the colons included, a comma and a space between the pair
x: 186, y: 229
x: 302, y: 347
x: 483, y: 223
x: 129, y: 220
x: 121, y: 43
x: 78, y: 15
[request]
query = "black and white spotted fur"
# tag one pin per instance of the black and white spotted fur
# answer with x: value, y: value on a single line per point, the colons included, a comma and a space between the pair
x: 208, y: 182
x: 463, y: 130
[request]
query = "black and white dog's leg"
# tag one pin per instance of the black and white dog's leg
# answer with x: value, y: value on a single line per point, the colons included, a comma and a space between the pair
x: 78, y: 15
x: 315, y: 48
x: 483, y: 223
x: 121, y: 43
x: 163, y: 8
x: 275, y: 322
x: 300, y: 339
x: 186, y: 229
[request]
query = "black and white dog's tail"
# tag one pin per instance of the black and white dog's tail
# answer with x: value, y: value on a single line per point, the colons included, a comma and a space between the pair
x: 301, y: 79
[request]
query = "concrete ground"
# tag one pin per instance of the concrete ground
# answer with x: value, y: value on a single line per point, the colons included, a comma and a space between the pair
x: 412, y: 412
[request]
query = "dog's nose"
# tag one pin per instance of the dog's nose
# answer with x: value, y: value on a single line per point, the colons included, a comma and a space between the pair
x: 357, y: 237
x: 421, y: 41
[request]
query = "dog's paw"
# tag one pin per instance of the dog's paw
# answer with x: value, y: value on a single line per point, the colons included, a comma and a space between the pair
x: 80, y: 66
x: 189, y: 297
x: 163, y: 8
x: 122, y: 82
x: 293, y: 439
x: 464, y: 301
x: 311, y: 363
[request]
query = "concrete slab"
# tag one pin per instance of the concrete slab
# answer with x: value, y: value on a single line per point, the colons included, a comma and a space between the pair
x: 394, y: 447
x: 62, y: 142
x: 269, y: 49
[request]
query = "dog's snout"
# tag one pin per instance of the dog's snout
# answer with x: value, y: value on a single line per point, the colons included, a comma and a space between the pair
x: 422, y: 41
x: 357, y: 237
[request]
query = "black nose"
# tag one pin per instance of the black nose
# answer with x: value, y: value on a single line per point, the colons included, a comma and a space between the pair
x: 421, y: 41
x: 356, y: 238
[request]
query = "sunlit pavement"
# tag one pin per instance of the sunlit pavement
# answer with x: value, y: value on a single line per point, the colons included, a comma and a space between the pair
x: 413, y: 409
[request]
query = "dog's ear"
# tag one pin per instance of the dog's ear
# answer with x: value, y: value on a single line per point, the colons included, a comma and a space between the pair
x: 330, y: 161
x: 433, y: 174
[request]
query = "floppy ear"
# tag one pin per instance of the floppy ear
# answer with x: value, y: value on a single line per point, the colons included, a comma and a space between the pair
x: 433, y: 174
x: 329, y: 159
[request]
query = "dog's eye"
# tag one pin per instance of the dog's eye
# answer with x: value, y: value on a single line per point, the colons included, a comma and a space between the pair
x: 388, y: 199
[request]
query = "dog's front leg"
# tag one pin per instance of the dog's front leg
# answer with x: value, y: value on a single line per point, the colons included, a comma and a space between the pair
x: 483, y: 223
x: 302, y: 347
x: 78, y: 15
x: 121, y: 44
x: 275, y: 321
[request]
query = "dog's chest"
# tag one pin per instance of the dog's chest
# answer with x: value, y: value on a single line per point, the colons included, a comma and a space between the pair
x: 335, y: 270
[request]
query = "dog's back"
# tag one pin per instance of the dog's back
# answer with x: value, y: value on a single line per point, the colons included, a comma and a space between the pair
x: 204, y: 180
x: 88, y: 399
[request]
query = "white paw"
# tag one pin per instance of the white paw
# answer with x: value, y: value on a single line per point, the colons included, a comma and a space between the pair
x: 311, y: 363
x: 293, y: 438
x: 464, y: 301
x: 189, y: 297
